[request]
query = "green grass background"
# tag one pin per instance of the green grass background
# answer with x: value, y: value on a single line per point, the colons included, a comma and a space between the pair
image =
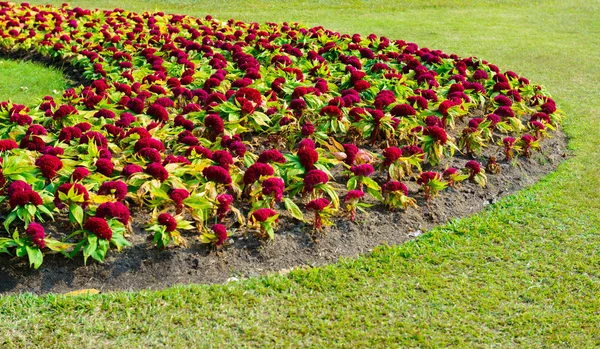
x: 523, y: 273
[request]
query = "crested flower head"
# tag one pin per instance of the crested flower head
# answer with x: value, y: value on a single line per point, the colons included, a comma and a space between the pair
x: 99, y: 227
x: 220, y: 232
x: 37, y: 234
x: 362, y: 170
x: 313, y: 178
x: 217, y: 174
x: 168, y: 221
x: 274, y: 187
x: 308, y: 157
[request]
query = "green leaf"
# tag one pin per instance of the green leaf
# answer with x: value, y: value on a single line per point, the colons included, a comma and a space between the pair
x: 35, y: 256
x: 293, y: 209
x: 11, y: 217
x: 92, y: 244
x: 352, y: 183
x: 76, y: 214
x: 370, y: 183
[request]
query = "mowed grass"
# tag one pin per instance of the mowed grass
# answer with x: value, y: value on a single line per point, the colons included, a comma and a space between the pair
x: 26, y: 82
x: 523, y: 273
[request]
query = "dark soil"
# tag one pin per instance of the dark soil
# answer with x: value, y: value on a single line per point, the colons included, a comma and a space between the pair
x: 143, y: 266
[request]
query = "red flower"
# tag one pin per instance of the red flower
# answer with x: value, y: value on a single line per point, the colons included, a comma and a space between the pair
x: 505, y: 112
x: 362, y: 170
x: 474, y: 168
x: 223, y: 159
x: 200, y: 151
x: 157, y: 171
x: 99, y: 227
x: 217, y: 174
x: 178, y: 195
x: 308, y: 157
x: 97, y: 137
x: 150, y: 154
x: 318, y: 205
x: 220, y: 232
x: 116, y: 188
x: 480, y: 75
x: 37, y: 234
x: 353, y: 195
x: 104, y: 113
x: 313, y: 178
x: 49, y: 165
x: 263, y: 214
x: 168, y: 221
x: 271, y: 155
x: 306, y: 143
x: 256, y: 170
x: 7, y: 144
x: 403, y: 110
x: 503, y: 100
x: 351, y: 151
x: 307, y: 129
x: 105, y: 167
x: 273, y: 187
x: 158, y: 112
x: 63, y: 111
x: 214, y: 124
x: 391, y: 154
x: 224, y: 200
x: 437, y: 133
x: 148, y: 143
x: 79, y: 174
x: 331, y: 111
x: 113, y: 210
x: 130, y: 169
x: 427, y: 177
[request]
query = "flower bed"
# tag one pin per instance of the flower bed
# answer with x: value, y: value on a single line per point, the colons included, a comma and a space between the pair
x: 217, y: 129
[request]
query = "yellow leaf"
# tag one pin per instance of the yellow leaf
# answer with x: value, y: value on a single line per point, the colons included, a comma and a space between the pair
x: 88, y: 291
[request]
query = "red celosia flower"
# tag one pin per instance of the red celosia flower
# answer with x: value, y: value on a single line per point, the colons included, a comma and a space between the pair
x: 148, y: 143
x: 307, y: 129
x: 214, y: 124
x: 474, y: 168
x: 116, y: 188
x: 263, y: 214
x: 224, y: 200
x: 99, y: 227
x: 37, y: 234
x: 318, y: 204
x: 130, y: 169
x: 220, y: 232
x: 168, y: 221
x: 18, y: 186
x: 362, y: 170
x: 157, y: 171
x: 150, y: 154
x: 505, y: 112
x: 351, y: 151
x: 331, y: 111
x: 8, y: 144
x: 308, y: 157
x: 63, y: 111
x: 158, y: 112
x: 97, y: 137
x: 273, y: 187
x: 313, y: 178
x: 480, y: 75
x: 105, y: 166
x: 437, y: 133
x: 33, y: 143
x: 217, y: 174
x: 223, y: 159
x: 199, y: 150
x: 391, y: 154
x: 426, y: 177
x: 104, y: 113
x: 307, y: 142
x: 403, y: 110
x: 271, y: 155
x: 238, y: 148
x: 503, y: 100
x: 113, y: 210
x: 353, y: 195
x: 178, y: 195
x: 256, y: 170
x: 79, y: 174
x: 48, y: 165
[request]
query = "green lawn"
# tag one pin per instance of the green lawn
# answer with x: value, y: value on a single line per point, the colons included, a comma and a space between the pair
x: 27, y: 82
x: 524, y: 273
